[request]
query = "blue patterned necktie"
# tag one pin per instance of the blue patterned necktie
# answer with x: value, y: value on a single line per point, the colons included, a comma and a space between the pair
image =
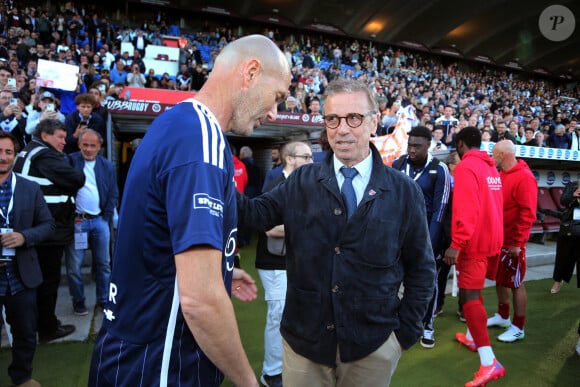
x: 347, y: 190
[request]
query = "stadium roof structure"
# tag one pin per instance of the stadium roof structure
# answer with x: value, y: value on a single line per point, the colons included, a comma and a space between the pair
x: 534, y: 35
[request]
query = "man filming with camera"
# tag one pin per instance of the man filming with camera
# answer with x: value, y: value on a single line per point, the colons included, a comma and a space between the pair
x: 82, y: 119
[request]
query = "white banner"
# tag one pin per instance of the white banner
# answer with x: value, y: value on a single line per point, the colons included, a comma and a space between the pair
x: 57, y: 75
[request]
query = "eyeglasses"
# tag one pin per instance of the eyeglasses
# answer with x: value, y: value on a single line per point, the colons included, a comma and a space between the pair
x: 354, y: 120
x: 305, y: 157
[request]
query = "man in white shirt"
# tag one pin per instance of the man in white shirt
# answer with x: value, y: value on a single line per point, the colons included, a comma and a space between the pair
x: 95, y: 205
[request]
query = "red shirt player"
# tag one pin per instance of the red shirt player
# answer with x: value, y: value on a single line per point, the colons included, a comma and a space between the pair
x: 476, y: 241
x: 520, y: 199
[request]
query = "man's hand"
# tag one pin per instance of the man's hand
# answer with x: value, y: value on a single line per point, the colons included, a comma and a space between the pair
x: 450, y: 256
x: 48, y: 114
x: 514, y: 252
x: 243, y: 286
x: 17, y: 111
x: 79, y: 129
x: 12, y: 239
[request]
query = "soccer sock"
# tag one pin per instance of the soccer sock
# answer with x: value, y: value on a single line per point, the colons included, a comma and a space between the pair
x: 486, y: 355
x: 504, y: 310
x: 468, y: 335
x: 476, y: 319
x: 519, y: 321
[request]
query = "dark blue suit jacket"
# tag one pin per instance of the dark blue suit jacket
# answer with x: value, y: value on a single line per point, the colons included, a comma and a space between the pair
x: 344, y: 275
x: 106, y: 183
x: 30, y: 217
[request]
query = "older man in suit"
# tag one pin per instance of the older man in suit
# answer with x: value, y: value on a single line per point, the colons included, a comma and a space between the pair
x: 26, y: 221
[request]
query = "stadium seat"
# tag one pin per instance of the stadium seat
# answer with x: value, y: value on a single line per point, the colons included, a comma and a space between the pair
x: 556, y: 193
x: 545, y: 202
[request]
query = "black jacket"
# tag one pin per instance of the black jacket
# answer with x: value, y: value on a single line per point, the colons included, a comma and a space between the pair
x: 344, y: 276
x: 59, y: 182
x: 71, y: 123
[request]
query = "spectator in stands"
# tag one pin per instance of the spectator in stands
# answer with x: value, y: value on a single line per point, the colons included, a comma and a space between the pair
x: 314, y: 106
x: 575, y: 135
x: 105, y: 76
x: 135, y: 78
x: 437, y: 140
x: 138, y: 60
x: 150, y: 77
x: 449, y: 123
x: 12, y: 117
x: 140, y: 42
x: 501, y: 133
x: 486, y: 135
x: 539, y: 136
x: 127, y: 61
x: 118, y: 74
x: 98, y: 91
x: 46, y: 109
x: 107, y: 57
x: 198, y: 77
x: 155, y: 38
x: 559, y: 139
x: 183, y: 81
x: 196, y: 55
x: 81, y: 119
x: 291, y: 105
x: 5, y: 74
x: 529, y: 138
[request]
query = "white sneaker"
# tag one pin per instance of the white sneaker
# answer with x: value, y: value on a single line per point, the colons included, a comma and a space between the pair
x: 428, y: 339
x: 512, y: 334
x: 578, y: 347
x: 498, y: 321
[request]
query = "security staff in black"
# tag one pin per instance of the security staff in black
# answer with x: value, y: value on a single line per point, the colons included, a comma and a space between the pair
x: 43, y: 162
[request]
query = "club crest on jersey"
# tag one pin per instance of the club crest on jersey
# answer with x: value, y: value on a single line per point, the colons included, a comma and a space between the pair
x: 213, y: 205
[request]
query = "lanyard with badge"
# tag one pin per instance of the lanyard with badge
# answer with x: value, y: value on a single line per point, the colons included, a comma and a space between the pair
x: 8, y: 253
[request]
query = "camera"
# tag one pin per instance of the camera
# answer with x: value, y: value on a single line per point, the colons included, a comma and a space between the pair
x: 50, y: 107
x: 83, y: 123
x: 11, y: 82
x: 14, y: 101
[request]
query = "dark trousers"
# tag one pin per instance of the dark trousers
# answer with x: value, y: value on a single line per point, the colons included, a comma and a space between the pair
x: 567, y: 256
x: 50, y: 259
x: 442, y: 275
x: 21, y: 315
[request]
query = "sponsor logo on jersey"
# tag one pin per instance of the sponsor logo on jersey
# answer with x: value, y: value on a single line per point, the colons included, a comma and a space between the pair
x: 494, y: 183
x: 213, y: 205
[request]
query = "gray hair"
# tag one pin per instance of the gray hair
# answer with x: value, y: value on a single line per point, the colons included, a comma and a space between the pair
x: 347, y: 85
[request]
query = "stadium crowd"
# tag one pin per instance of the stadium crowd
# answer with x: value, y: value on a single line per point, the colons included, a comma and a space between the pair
x: 446, y: 93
